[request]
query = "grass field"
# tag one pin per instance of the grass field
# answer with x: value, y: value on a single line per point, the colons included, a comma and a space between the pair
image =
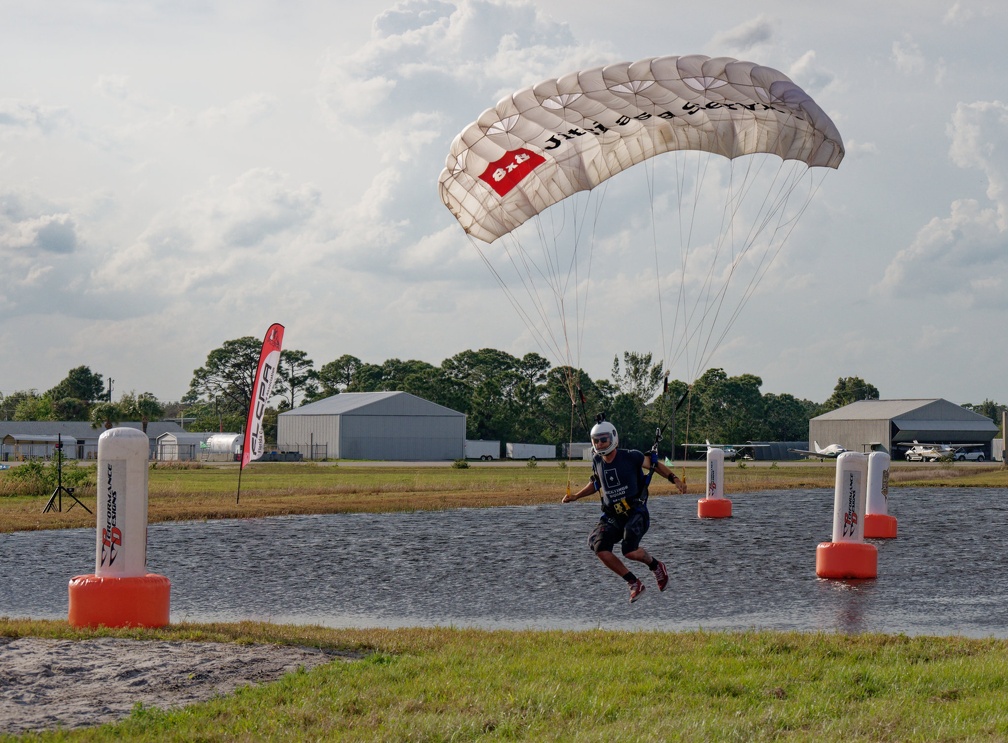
x: 272, y: 489
x: 442, y: 684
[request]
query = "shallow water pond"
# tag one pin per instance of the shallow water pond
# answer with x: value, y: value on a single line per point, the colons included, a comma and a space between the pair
x: 530, y: 567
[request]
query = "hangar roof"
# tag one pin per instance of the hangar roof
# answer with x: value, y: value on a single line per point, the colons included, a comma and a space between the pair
x: 924, y: 420
x: 373, y: 403
x: 924, y: 411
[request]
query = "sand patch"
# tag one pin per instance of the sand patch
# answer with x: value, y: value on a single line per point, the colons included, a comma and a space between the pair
x: 48, y: 684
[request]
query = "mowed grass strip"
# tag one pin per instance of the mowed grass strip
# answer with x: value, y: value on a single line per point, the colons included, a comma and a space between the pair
x: 182, y: 493
x: 430, y: 684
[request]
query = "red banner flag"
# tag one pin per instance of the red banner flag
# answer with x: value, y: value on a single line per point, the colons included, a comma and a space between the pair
x: 262, y: 389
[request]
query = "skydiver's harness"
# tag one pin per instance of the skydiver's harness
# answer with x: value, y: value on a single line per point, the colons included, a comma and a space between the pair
x: 622, y: 508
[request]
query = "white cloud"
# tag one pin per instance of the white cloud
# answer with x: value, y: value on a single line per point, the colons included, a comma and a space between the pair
x: 978, y: 132
x: 958, y: 15
x: 907, y: 56
x: 813, y: 78
x: 22, y: 117
x: 854, y: 149
x: 745, y: 37
x: 961, y: 257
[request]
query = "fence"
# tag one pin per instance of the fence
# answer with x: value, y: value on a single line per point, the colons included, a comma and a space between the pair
x: 167, y: 453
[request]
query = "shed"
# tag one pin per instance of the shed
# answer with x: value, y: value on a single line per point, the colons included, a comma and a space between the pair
x: 181, y: 446
x: 21, y: 446
x: 893, y: 426
x: 373, y: 425
x: 224, y: 447
x: 82, y: 432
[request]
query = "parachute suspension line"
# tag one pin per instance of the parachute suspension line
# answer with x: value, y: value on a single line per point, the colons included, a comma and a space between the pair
x: 520, y: 262
x: 583, y: 310
x: 684, y: 327
x: 774, y: 208
x: 649, y: 172
x: 779, y: 235
x: 714, y: 298
x: 701, y: 336
x: 773, y: 211
x: 519, y: 309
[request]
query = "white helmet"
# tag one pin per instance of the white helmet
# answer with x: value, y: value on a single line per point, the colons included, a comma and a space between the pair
x: 604, y: 437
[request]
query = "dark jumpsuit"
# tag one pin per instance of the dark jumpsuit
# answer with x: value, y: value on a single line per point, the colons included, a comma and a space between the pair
x: 623, y: 487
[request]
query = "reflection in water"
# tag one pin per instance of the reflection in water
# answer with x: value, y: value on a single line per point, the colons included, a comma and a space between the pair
x: 852, y: 599
x: 530, y: 567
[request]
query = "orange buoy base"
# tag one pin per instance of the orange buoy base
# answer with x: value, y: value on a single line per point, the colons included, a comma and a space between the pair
x: 846, y: 560
x: 138, y: 601
x: 879, y: 526
x: 713, y: 508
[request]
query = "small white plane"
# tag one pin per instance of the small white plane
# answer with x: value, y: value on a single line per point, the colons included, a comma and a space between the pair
x: 830, y: 452
x: 731, y: 451
x: 929, y: 452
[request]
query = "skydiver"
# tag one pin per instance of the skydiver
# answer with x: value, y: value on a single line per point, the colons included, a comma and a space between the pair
x: 617, y: 474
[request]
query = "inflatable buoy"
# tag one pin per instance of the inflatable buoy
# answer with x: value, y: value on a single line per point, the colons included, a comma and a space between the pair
x: 847, y: 556
x: 879, y: 526
x: 878, y: 523
x: 121, y: 593
x: 846, y: 560
x: 715, y: 505
x: 131, y: 601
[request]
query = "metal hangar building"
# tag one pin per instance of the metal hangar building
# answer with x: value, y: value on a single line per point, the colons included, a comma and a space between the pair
x: 894, y: 425
x: 385, y: 426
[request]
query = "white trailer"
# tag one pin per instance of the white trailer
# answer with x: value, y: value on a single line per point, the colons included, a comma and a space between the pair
x: 578, y: 450
x: 531, y: 451
x: 480, y: 449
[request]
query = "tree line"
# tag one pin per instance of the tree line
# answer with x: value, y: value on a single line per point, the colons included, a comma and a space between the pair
x: 504, y: 397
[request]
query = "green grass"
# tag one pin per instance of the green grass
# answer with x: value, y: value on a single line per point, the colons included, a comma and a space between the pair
x: 459, y: 684
x: 186, y: 493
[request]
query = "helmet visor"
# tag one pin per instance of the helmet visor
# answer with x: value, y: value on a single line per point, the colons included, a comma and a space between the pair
x: 601, y: 440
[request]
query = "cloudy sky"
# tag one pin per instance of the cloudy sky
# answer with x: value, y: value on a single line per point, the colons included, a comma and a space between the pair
x: 177, y: 174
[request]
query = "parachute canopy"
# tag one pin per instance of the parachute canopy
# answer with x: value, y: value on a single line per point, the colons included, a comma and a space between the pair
x: 544, y: 143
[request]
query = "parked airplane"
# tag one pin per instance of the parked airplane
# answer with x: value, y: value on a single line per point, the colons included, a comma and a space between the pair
x: 937, y: 452
x: 928, y: 452
x: 830, y: 452
x: 731, y: 451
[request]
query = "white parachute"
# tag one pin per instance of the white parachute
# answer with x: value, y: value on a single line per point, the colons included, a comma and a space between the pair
x: 722, y: 119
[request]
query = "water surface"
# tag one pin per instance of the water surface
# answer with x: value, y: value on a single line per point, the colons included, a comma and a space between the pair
x: 530, y: 567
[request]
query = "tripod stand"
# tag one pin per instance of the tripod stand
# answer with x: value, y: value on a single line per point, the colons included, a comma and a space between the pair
x: 57, y: 494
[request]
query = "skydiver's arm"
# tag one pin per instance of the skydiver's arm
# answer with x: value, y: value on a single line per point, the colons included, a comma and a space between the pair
x: 588, y: 489
x: 668, y: 474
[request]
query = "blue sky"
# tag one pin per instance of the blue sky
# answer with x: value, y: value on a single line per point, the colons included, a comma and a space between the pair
x: 174, y: 175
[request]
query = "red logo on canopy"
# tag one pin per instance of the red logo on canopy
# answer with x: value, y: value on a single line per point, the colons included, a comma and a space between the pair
x: 508, y: 172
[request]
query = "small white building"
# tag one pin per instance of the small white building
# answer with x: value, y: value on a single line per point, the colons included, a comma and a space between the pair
x: 223, y: 447
x: 384, y: 426
x: 181, y: 446
x: 19, y: 447
x: 80, y: 438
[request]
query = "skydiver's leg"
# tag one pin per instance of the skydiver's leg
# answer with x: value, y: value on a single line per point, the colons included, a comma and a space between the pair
x: 635, y: 529
x: 602, y: 540
x: 613, y: 563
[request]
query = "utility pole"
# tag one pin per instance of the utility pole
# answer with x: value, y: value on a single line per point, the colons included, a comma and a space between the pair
x: 110, y: 381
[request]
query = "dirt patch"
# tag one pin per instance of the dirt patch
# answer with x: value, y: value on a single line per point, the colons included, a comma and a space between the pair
x: 48, y: 684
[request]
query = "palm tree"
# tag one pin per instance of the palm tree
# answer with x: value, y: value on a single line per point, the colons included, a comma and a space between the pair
x: 105, y: 414
x: 144, y: 406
